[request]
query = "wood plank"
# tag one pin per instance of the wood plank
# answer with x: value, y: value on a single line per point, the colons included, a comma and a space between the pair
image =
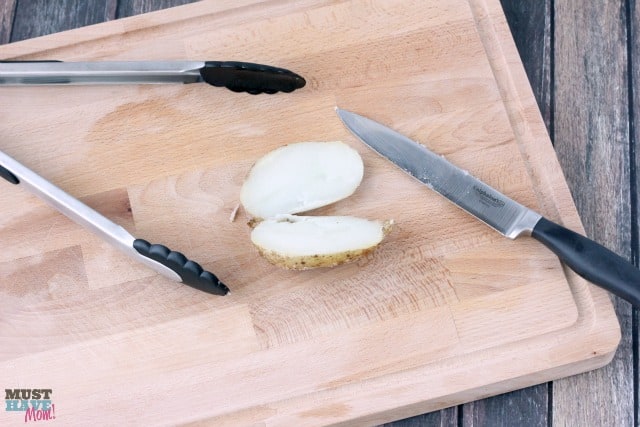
x: 633, y: 22
x: 530, y: 25
x: 591, y: 134
x: 40, y: 17
x: 444, y: 418
x: 7, y: 9
x: 136, y: 7
x: 526, y: 407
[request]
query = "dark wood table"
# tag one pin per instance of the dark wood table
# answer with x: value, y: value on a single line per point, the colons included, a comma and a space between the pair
x: 583, y: 61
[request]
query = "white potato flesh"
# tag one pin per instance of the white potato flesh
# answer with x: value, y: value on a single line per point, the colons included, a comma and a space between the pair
x: 300, y: 177
x: 303, y: 242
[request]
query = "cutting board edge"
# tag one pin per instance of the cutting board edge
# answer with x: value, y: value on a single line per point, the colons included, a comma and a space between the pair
x: 486, y: 391
x: 24, y: 49
x: 332, y: 407
x: 534, y: 141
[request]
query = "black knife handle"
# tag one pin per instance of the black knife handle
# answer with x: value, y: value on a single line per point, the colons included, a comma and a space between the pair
x: 191, y: 272
x: 591, y: 260
x: 251, y: 78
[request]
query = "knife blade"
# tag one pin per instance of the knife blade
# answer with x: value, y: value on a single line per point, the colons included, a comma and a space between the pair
x: 171, y: 264
x: 587, y: 258
x: 236, y: 76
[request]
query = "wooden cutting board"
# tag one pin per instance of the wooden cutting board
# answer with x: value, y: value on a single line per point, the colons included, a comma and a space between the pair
x: 446, y: 311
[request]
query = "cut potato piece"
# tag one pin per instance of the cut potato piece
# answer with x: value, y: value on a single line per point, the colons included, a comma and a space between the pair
x: 303, y: 242
x: 300, y: 177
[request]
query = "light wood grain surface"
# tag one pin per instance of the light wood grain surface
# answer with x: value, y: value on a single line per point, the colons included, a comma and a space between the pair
x: 164, y: 164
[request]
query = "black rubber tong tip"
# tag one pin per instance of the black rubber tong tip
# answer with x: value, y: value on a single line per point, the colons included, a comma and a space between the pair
x: 251, y: 78
x: 191, y: 272
x: 6, y: 174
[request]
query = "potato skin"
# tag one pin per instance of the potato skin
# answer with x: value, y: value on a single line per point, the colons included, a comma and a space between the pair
x: 317, y: 261
x: 312, y: 261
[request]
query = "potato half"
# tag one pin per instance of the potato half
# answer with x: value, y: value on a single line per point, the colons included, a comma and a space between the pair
x: 300, y: 177
x: 297, y: 178
x: 303, y: 242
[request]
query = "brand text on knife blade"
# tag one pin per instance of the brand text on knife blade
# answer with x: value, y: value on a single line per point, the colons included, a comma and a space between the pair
x: 487, y: 198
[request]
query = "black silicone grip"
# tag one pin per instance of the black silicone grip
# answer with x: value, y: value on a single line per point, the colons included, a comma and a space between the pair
x: 190, y: 272
x: 6, y: 174
x: 591, y: 260
x: 251, y: 78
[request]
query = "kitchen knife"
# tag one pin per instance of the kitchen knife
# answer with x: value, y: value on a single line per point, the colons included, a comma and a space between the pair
x: 236, y: 76
x: 589, y: 259
x: 170, y: 264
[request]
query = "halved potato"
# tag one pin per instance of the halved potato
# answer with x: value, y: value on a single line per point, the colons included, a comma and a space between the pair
x: 300, y: 177
x: 303, y: 242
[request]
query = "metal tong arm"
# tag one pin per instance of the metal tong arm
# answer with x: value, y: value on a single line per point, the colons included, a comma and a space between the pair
x: 236, y: 76
x: 170, y: 264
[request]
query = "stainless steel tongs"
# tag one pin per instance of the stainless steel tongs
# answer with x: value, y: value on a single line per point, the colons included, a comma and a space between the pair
x: 163, y: 260
x: 236, y: 76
